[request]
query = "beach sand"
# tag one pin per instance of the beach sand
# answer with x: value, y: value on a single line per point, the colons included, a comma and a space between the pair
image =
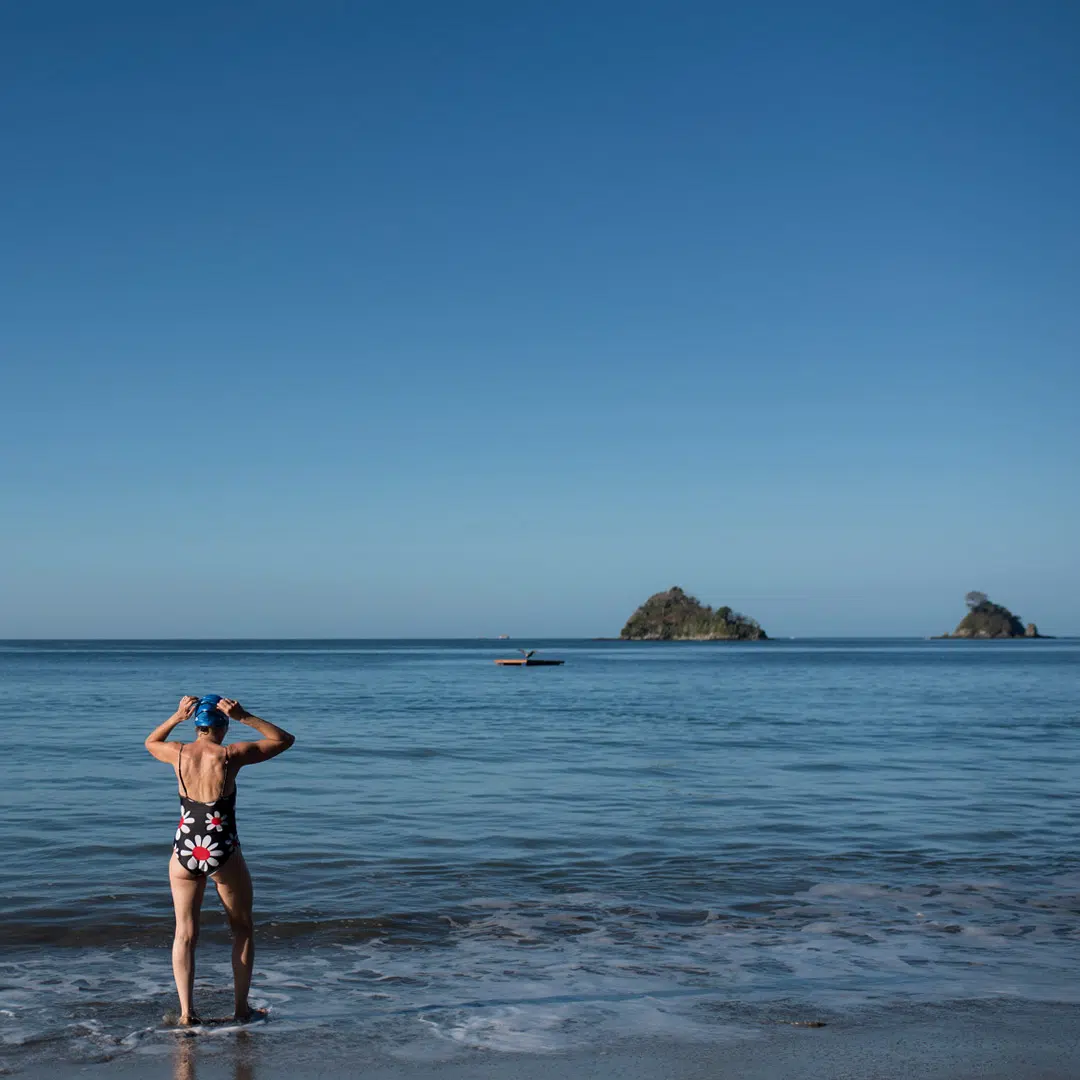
x: 995, y: 1041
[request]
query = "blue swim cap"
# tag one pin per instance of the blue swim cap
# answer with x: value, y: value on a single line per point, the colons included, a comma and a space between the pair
x: 207, y: 714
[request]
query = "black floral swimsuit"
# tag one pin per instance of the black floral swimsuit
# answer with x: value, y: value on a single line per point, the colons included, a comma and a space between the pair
x: 206, y: 835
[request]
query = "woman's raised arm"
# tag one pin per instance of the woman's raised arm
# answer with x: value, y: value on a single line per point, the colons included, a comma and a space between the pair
x: 274, y: 740
x: 155, y: 741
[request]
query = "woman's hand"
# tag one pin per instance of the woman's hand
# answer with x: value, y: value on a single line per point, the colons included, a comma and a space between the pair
x: 186, y: 709
x: 233, y: 709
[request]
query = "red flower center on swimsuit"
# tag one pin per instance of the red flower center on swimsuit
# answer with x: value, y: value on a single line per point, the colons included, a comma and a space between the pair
x: 202, y: 853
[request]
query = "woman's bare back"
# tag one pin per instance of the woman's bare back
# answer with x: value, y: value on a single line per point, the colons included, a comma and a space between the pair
x: 201, y: 769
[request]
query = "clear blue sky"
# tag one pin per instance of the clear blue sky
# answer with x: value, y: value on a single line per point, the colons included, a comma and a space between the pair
x: 437, y: 318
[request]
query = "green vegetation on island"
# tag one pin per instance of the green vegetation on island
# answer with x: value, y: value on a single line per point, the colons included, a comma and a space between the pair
x: 675, y: 616
x: 988, y: 620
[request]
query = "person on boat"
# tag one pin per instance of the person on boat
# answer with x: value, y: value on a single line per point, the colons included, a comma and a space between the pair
x: 206, y: 844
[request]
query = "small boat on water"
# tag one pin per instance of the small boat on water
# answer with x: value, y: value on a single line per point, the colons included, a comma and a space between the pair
x: 528, y: 660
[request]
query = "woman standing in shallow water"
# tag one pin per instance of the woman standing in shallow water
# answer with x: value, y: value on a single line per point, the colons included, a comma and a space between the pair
x: 206, y: 843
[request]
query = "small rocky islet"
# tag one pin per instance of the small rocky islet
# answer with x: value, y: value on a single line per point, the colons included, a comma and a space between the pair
x: 676, y: 616
x: 987, y: 620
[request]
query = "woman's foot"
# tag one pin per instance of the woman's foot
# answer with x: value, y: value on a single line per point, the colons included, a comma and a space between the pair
x: 247, y: 1014
x: 188, y: 1020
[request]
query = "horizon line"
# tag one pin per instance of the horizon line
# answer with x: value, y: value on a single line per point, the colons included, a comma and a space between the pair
x: 556, y: 637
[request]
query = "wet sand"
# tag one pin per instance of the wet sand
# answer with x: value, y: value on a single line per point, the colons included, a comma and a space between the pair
x: 996, y: 1041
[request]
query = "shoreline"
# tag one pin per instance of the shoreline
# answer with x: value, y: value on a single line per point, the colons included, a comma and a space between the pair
x: 996, y: 1040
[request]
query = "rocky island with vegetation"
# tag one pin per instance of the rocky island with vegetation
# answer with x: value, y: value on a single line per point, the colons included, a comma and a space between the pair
x: 676, y: 616
x: 989, y: 620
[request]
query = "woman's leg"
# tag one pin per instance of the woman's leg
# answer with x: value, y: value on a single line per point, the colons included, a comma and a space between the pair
x: 233, y: 883
x: 187, y: 894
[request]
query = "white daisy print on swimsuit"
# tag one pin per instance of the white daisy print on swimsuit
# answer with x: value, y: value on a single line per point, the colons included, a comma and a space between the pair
x: 187, y: 819
x: 202, y: 854
x: 215, y: 820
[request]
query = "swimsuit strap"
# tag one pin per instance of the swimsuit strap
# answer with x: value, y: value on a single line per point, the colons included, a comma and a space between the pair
x: 179, y: 755
x: 221, y: 794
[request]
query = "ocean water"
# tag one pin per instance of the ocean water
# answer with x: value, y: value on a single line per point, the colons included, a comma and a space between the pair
x: 677, y: 839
